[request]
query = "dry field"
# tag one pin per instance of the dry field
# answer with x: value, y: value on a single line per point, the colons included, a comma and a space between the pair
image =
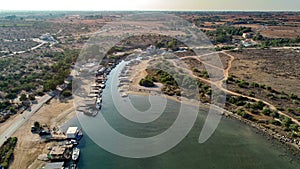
x: 281, y: 32
x: 276, y: 68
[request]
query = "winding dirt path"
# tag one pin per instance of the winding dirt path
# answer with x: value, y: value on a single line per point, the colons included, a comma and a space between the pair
x: 219, y: 83
x: 271, y: 106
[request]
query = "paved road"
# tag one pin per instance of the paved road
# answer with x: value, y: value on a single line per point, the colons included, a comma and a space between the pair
x: 22, y: 118
x: 28, y: 50
x: 26, y: 115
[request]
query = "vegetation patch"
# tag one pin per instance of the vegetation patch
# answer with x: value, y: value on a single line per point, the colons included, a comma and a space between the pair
x: 7, y: 151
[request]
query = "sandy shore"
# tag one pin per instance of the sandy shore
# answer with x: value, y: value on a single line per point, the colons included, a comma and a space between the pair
x: 268, y: 133
x: 138, y: 71
x: 29, y: 146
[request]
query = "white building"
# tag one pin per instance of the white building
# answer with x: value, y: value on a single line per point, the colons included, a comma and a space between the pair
x: 72, y: 132
x: 247, y: 35
x: 48, y: 38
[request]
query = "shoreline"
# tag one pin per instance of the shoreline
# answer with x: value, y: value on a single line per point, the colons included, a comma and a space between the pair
x: 135, y: 89
x: 173, y: 98
x: 269, y: 134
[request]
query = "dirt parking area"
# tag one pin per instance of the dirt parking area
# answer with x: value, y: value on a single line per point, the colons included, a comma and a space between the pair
x: 29, y: 145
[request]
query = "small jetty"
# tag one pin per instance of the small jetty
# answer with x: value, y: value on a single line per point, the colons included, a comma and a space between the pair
x: 65, y: 153
x: 92, y: 105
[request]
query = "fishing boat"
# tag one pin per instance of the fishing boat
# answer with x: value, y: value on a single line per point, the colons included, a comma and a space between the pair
x: 88, y: 111
x: 73, y: 166
x: 79, y: 134
x: 98, y: 106
x: 124, y: 94
x: 99, y: 100
x: 75, y: 154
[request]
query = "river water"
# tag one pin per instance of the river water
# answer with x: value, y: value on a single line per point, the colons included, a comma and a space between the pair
x: 234, y: 145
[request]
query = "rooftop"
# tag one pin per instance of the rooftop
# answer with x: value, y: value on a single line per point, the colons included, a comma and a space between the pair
x: 57, y: 150
x: 72, y: 130
x: 57, y: 165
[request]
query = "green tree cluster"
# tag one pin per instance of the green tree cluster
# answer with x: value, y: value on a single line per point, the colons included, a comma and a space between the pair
x: 6, y: 151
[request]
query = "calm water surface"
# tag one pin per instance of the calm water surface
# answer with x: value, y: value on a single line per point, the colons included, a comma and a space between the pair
x: 233, y: 146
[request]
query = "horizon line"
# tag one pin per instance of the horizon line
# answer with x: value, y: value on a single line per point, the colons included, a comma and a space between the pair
x: 150, y: 10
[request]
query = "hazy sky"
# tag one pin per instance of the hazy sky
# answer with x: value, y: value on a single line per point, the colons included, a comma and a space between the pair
x: 150, y: 5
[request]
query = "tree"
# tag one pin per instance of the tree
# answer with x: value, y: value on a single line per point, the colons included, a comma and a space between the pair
x: 274, y: 114
x: 31, y: 97
x: 230, y: 78
x: 172, y: 45
x: 258, y: 105
x: 258, y: 36
x: 195, y: 70
x: 241, y: 112
x: 12, y: 110
x: 266, y: 111
x: 286, y: 121
x: 274, y: 122
x: 294, y: 127
x: 49, y: 85
x: 23, y: 97
x: 293, y: 96
x: 146, y: 82
x: 36, y: 124
x: 11, y: 96
x: 67, y: 93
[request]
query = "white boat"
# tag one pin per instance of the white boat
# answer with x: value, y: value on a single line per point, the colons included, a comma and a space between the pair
x: 99, y: 100
x: 98, y: 106
x: 74, y: 142
x: 102, y: 85
x: 75, y: 153
x: 124, y: 95
x: 73, y: 166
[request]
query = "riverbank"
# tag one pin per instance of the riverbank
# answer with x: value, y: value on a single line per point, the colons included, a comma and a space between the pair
x: 57, y: 113
x: 30, y: 146
x: 268, y: 133
x: 138, y: 71
x: 233, y: 145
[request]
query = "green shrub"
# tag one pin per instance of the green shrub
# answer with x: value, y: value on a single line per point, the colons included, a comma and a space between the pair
x: 293, y: 96
x: 274, y: 122
x: 286, y: 121
x: 290, y: 110
x: 146, y: 82
x: 274, y: 114
x: 294, y: 127
x: 67, y: 93
x: 266, y: 111
x: 230, y: 78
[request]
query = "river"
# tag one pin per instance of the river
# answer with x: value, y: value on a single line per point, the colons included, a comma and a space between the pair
x: 234, y: 145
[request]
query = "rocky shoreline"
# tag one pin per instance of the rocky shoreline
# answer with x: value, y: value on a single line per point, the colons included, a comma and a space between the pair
x: 269, y: 134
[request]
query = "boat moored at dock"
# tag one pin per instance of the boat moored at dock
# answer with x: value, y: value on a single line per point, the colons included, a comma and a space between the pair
x: 75, y: 154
